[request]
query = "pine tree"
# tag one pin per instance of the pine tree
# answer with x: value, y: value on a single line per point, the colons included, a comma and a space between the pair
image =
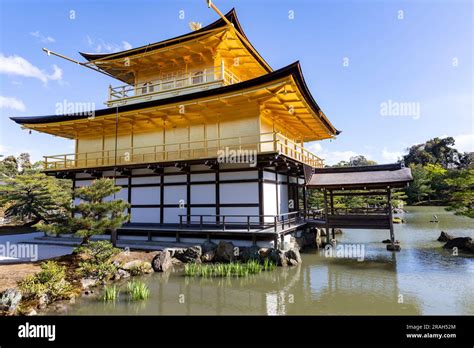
x: 96, y: 214
x: 35, y: 197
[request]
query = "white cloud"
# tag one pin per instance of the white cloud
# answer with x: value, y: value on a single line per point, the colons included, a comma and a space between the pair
x: 16, y: 65
x: 11, y: 103
x: 42, y: 38
x: 331, y: 157
x: 126, y: 45
x: 464, y: 142
x: 391, y: 156
x: 100, y: 46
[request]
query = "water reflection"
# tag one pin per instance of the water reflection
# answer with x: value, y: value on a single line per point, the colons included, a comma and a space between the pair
x: 421, y: 279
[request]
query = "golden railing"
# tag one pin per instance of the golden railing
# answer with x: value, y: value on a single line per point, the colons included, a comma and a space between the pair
x: 206, y: 76
x: 243, y: 148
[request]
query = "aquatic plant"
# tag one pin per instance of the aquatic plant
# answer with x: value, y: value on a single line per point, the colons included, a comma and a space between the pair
x: 138, y: 290
x: 111, y: 293
x: 234, y: 269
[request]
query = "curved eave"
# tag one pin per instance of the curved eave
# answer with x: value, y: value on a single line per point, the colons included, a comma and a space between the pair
x: 292, y: 70
x: 231, y: 17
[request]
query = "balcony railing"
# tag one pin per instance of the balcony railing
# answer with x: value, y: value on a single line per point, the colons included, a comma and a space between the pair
x: 206, y: 77
x: 244, y: 147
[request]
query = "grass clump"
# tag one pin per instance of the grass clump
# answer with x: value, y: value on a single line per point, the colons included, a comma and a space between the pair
x: 50, y: 283
x: 138, y: 290
x: 235, y: 269
x: 111, y: 293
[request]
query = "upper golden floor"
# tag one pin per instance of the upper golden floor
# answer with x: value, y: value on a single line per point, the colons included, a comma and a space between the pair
x: 214, y: 56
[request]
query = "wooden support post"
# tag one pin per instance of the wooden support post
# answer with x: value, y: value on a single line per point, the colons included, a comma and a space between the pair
x: 177, y: 237
x: 331, y: 197
x: 328, y: 237
x: 254, y: 239
x: 392, y: 246
x: 149, y: 235
x: 113, y: 237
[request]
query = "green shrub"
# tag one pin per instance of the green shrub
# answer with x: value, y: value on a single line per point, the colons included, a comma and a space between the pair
x: 50, y: 282
x: 111, y: 293
x: 138, y: 290
x: 98, y: 260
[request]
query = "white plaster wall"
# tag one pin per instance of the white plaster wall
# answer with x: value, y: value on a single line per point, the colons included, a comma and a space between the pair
x: 203, y: 194
x: 268, y: 175
x: 283, y: 198
x: 145, y: 215
x: 146, y: 180
x: 171, y: 215
x: 145, y: 195
x: 203, y: 177
x: 173, y: 194
x: 239, y: 193
x: 238, y: 175
x: 175, y: 178
x: 269, y: 197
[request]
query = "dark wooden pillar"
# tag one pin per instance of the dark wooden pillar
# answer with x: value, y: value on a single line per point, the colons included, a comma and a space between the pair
x: 332, y: 212
x: 390, y: 218
x: 328, y: 238
x: 261, y: 209
x: 129, y: 196
x: 162, y: 197
x: 218, y: 195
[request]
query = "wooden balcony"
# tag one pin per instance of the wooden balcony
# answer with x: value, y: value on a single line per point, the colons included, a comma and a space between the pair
x: 245, y: 146
x: 164, y: 88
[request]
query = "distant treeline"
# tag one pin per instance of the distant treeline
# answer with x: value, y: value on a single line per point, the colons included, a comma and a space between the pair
x: 441, y: 176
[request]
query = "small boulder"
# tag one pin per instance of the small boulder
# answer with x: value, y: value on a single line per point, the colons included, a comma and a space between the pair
x: 444, y: 237
x: 293, y: 257
x: 207, y: 246
x: 137, y: 267
x: 43, y: 301
x: 10, y: 300
x: 278, y: 257
x: 121, y: 274
x: 87, y: 283
x: 249, y: 253
x: 225, y: 252
x: 462, y: 243
x: 190, y: 255
x: 162, y: 261
x: 208, y: 256
x: 31, y: 312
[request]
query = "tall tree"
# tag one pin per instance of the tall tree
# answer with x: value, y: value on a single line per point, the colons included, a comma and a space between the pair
x: 420, y: 187
x: 97, y: 213
x: 31, y: 198
x: 437, y: 151
x: 461, y: 183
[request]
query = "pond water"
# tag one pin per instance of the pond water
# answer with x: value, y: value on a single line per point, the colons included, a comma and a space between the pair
x: 420, y: 279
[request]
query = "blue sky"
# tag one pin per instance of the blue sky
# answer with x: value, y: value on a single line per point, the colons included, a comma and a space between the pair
x: 358, y: 58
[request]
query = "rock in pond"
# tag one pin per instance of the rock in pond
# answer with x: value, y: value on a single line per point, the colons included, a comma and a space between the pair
x: 462, y: 243
x: 225, y: 252
x: 191, y: 254
x: 249, y: 253
x: 444, y: 237
x: 162, y: 261
x: 137, y: 267
x: 293, y: 257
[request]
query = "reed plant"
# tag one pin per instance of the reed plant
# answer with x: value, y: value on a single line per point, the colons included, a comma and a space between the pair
x: 234, y: 269
x: 138, y: 290
x: 111, y: 293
